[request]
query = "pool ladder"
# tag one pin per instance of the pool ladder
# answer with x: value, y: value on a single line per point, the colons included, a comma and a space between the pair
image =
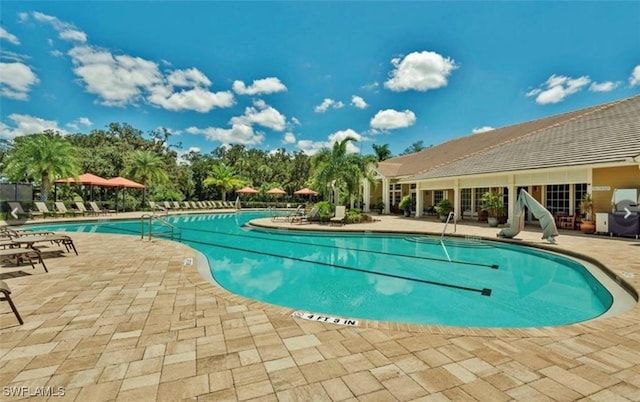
x: 175, y: 232
x: 449, y: 217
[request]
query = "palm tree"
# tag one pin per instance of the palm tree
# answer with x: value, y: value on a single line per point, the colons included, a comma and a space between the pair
x: 338, y: 169
x: 45, y: 157
x: 224, y: 177
x: 382, y: 152
x: 148, y: 168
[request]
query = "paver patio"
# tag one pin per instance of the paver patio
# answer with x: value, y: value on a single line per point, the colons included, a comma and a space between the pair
x: 128, y: 320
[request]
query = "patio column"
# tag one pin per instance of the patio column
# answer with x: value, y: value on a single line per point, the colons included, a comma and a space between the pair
x: 366, y: 194
x: 385, y: 195
x: 513, y: 195
x: 457, y: 202
x: 419, y: 201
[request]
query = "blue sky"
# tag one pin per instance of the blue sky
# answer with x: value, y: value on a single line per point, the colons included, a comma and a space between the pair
x: 301, y: 75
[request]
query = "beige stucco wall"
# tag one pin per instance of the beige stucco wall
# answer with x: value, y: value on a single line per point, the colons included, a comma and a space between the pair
x: 616, y: 177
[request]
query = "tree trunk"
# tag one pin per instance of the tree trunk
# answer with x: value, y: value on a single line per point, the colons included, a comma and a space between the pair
x: 44, y: 189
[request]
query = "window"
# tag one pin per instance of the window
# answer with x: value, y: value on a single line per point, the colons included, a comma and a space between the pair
x: 478, y: 196
x: 465, y: 199
x: 438, y: 195
x: 395, y: 194
x: 557, y: 196
x: 580, y: 191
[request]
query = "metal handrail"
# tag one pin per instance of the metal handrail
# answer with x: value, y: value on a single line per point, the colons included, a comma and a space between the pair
x: 451, y: 215
x: 151, y: 218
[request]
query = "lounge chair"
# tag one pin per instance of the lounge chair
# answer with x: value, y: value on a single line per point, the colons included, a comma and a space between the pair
x: 186, y: 205
x: 167, y: 205
x: 156, y: 207
x: 60, y: 207
x: 6, y: 292
x: 339, y: 216
x: 42, y: 207
x: 313, y: 214
x: 297, y: 212
x: 176, y: 205
x: 30, y: 241
x: 17, y: 207
x: 21, y: 254
x: 95, y: 208
x: 80, y: 207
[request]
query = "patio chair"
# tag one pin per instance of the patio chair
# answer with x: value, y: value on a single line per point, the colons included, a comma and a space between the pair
x: 17, y: 207
x: 100, y: 211
x: 167, y: 205
x: 313, y: 214
x: 80, y: 207
x: 340, y: 215
x: 297, y: 212
x: 176, y: 205
x: 42, y: 207
x: 60, y: 207
x: 6, y: 292
x: 155, y: 207
x: 186, y: 205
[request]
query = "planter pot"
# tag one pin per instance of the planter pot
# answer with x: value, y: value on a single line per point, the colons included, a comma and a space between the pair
x: 493, y: 221
x: 588, y: 227
x: 407, y: 213
x: 443, y: 218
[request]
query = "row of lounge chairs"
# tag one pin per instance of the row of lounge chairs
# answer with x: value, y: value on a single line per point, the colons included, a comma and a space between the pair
x: 20, y: 245
x: 300, y: 215
x: 190, y: 205
x: 60, y: 209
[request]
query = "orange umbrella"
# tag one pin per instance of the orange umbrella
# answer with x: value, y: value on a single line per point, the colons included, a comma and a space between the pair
x: 87, y: 179
x: 306, y: 191
x: 247, y: 190
x: 123, y: 182
x: 276, y: 191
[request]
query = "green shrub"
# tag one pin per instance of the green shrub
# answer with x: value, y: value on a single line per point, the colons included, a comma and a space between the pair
x: 325, y: 210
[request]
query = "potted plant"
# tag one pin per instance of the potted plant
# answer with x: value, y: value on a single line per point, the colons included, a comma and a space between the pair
x: 379, y: 206
x: 492, y: 203
x: 588, y: 225
x: 405, y: 205
x: 443, y: 208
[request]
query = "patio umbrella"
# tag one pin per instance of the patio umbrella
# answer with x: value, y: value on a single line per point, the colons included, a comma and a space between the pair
x: 276, y: 192
x: 306, y: 191
x: 122, y: 182
x: 245, y: 190
x: 85, y: 179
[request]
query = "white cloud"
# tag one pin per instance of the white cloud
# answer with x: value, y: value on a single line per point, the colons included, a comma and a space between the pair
x: 420, y: 71
x: 121, y: 80
x: 295, y: 121
x: 358, y: 102
x: 390, y: 119
x: 11, y: 38
x: 326, y: 104
x: 16, y: 80
x: 23, y: 124
x: 482, y: 129
x: 634, y: 79
x: 81, y: 121
x: 289, y: 138
x: 603, y: 86
x: 557, y: 88
x: 259, y: 87
x: 312, y: 147
x: 65, y: 30
x: 237, y: 134
x: 261, y: 114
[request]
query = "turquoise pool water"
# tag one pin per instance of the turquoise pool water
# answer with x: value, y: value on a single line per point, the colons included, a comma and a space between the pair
x: 385, y: 277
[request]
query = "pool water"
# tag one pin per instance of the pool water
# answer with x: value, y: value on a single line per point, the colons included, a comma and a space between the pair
x: 387, y: 277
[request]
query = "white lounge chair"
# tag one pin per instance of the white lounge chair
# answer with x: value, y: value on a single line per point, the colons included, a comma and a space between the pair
x: 339, y: 216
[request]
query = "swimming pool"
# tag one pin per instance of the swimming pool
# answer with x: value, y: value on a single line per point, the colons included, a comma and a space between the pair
x: 387, y: 277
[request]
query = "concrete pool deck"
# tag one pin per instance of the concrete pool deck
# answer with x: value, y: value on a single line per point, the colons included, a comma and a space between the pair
x: 128, y: 319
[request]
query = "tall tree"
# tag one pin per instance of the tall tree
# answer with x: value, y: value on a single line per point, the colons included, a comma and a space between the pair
x: 335, y: 168
x: 413, y: 148
x: 148, y: 168
x: 224, y: 177
x: 41, y: 157
x: 382, y: 152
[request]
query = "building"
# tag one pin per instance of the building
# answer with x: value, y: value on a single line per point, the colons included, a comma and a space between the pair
x: 556, y: 159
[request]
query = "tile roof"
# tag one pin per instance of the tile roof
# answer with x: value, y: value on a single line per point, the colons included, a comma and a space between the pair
x: 599, y: 134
